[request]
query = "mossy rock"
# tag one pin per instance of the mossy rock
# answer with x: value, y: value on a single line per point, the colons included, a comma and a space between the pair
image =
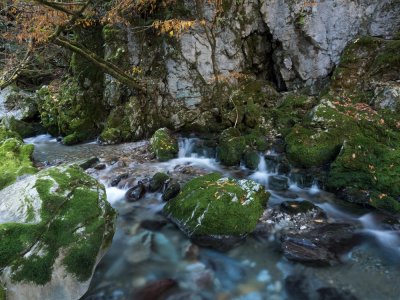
x: 213, y: 205
x: 251, y: 159
x: 15, y: 158
x: 157, y: 181
x: 24, y: 129
x: 231, y: 147
x: 164, y: 144
x: 55, y: 226
x: 255, y: 139
x: 307, y: 148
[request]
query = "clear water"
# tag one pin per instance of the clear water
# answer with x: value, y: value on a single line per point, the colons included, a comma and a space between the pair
x: 254, y: 270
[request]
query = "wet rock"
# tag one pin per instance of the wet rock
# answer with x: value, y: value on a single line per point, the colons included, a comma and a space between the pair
x: 221, y: 243
x: 172, y: 190
x: 251, y: 159
x: 302, y: 178
x: 277, y: 222
x: 191, y: 252
x: 100, y: 166
x: 155, y: 290
x: 118, y: 178
x: 229, y: 272
x: 153, y: 225
x: 355, y: 195
x: 135, y: 193
x: 284, y: 167
x: 278, y: 183
x: 149, y: 245
x: 297, y: 287
x: 157, y: 182
x: 295, y: 207
x: 323, y: 245
x: 331, y: 293
x: 89, y: 163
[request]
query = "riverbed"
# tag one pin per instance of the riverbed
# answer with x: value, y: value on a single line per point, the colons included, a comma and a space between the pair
x: 150, y: 253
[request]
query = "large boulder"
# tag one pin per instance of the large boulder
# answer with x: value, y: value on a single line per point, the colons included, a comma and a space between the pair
x: 54, y: 228
x: 212, y: 205
x: 164, y: 145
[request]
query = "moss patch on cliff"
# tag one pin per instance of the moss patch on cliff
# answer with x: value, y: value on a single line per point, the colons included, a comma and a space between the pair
x: 212, y: 205
x: 74, y: 219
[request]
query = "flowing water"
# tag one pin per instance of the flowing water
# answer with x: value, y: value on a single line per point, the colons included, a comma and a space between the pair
x: 254, y: 270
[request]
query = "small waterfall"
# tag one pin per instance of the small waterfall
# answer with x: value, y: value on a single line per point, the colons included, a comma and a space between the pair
x: 262, y: 165
x: 262, y: 174
x: 314, y: 189
x: 186, y: 146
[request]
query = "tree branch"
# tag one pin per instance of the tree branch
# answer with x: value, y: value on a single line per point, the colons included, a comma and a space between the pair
x: 100, y: 62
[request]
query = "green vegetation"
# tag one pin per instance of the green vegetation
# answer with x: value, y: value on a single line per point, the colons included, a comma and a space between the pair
x: 360, y: 140
x: 164, y: 145
x: 75, y: 218
x: 15, y: 157
x: 211, y: 204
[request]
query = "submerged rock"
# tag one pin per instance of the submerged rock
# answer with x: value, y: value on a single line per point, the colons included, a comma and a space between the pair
x: 135, y: 193
x: 155, y: 290
x: 172, y: 190
x: 212, y: 206
x: 54, y: 226
x: 278, y: 183
x: 323, y: 245
x: 164, y: 145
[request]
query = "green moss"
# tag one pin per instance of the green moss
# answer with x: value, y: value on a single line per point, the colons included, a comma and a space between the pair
x: 2, y: 293
x: 251, y: 159
x: 72, y: 219
x: 305, y: 148
x: 211, y: 205
x: 164, y: 145
x: 231, y: 147
x: 255, y: 139
x: 15, y: 158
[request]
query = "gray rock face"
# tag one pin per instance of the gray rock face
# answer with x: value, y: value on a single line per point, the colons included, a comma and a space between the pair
x: 313, y: 34
x: 54, y: 228
x: 292, y: 43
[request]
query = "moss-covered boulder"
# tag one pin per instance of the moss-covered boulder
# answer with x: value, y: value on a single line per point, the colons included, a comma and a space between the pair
x: 212, y: 205
x: 54, y: 228
x: 15, y: 157
x: 231, y: 147
x: 164, y: 144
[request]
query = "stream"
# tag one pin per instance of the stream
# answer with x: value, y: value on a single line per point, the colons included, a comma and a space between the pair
x: 147, y: 248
